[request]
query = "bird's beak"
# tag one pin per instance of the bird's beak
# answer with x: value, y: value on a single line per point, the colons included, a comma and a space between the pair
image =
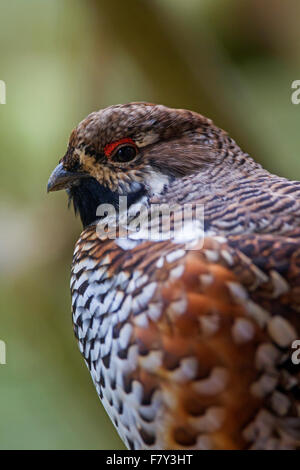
x: 62, y: 179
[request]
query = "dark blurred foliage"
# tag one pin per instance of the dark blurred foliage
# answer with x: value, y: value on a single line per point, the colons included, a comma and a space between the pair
x: 61, y: 59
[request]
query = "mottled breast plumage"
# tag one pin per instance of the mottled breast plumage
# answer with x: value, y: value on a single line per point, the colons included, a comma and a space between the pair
x: 192, y: 349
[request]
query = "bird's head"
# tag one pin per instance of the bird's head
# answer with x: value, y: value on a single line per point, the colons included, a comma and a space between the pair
x: 133, y: 150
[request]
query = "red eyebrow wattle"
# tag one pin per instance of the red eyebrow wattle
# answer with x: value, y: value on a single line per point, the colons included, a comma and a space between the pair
x: 109, y: 148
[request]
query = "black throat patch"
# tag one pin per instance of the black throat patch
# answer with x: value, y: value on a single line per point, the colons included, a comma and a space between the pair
x: 88, y: 194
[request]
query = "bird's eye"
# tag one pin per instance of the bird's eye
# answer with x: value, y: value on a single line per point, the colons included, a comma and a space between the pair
x: 122, y: 151
x: 125, y: 153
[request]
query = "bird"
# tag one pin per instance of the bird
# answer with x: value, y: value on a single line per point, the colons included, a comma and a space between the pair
x: 191, y: 335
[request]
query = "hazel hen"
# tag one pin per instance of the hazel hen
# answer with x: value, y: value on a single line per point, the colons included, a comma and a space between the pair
x: 190, y: 346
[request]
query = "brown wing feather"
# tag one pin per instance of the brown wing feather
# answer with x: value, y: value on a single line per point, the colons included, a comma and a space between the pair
x: 239, y: 323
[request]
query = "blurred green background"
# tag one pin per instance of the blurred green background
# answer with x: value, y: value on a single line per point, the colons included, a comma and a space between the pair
x: 62, y: 59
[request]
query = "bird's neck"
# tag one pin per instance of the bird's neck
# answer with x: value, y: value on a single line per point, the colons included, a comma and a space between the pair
x: 240, y: 198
